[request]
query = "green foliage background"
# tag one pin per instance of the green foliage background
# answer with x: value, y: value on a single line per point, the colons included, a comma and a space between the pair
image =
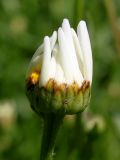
x: 23, y: 24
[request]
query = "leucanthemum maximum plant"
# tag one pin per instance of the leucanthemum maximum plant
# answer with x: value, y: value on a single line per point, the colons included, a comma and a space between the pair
x: 59, y: 78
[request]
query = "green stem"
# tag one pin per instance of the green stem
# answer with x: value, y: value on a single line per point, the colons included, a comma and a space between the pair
x: 52, y: 123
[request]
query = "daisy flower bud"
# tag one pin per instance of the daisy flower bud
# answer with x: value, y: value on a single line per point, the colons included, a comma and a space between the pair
x: 59, y: 76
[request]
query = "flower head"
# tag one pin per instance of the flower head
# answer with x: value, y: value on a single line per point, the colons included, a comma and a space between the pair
x: 60, y: 73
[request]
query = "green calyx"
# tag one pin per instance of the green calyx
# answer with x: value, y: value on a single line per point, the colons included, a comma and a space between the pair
x: 62, y: 99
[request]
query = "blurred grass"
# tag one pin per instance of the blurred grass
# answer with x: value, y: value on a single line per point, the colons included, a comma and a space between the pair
x: 23, y: 24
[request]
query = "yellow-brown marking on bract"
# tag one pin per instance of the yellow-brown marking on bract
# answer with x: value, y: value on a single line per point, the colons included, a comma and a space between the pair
x: 33, y: 79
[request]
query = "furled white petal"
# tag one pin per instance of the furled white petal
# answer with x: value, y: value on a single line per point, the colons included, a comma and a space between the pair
x: 84, y: 40
x: 79, y: 53
x: 72, y: 53
x: 77, y: 48
x: 59, y: 76
x: 53, y: 39
x: 55, y: 52
x: 52, y: 69
x: 67, y: 31
x: 64, y: 56
x: 45, y: 70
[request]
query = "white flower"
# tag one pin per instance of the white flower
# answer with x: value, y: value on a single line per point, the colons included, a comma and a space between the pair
x: 60, y: 73
x: 65, y: 57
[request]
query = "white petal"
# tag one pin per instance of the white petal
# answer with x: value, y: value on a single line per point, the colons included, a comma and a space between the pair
x: 78, y: 50
x: 59, y: 76
x: 77, y: 46
x: 53, y: 39
x: 55, y: 52
x: 72, y: 53
x: 67, y: 32
x: 45, y: 70
x: 52, y: 68
x: 64, y: 56
x: 84, y: 40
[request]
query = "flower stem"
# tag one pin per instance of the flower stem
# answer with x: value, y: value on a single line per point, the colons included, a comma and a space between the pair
x: 52, y: 123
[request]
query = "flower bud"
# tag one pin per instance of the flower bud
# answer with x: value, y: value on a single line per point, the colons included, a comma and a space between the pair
x: 59, y: 76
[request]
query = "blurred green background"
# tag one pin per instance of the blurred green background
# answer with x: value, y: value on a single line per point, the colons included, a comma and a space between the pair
x: 23, y: 25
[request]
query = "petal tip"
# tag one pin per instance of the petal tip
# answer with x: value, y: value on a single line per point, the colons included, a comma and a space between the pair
x: 46, y: 38
x: 82, y: 22
x: 65, y: 23
x: 65, y: 20
x: 81, y: 25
